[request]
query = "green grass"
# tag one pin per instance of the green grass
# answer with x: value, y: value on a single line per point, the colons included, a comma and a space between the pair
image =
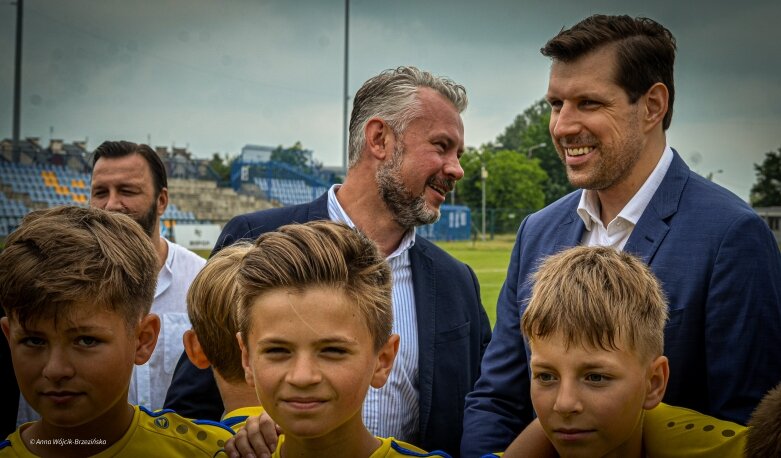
x: 489, y: 260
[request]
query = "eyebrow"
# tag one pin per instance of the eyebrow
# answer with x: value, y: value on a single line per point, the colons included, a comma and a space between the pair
x: 86, y: 329
x: 324, y: 341
x: 583, y: 366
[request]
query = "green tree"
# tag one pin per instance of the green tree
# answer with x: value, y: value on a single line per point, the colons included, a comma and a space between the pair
x: 221, y: 166
x: 514, y: 183
x: 528, y: 130
x: 766, y: 192
x: 297, y: 156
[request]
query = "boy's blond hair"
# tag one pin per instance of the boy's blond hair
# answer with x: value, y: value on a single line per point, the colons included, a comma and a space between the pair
x: 595, y: 296
x: 211, y: 304
x: 62, y: 256
x: 319, y: 254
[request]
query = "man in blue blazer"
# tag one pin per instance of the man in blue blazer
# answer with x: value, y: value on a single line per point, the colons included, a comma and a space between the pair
x: 406, y: 137
x: 611, y: 94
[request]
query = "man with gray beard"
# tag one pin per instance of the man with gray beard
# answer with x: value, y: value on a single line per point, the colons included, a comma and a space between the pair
x: 406, y: 138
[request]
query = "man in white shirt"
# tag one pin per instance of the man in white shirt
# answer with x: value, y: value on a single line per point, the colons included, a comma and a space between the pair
x: 130, y: 178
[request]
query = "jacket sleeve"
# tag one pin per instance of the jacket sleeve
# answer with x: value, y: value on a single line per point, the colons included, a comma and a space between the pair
x: 743, y: 320
x: 499, y: 406
x: 193, y: 392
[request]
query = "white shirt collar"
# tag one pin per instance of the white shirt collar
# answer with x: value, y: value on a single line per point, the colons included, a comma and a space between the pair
x: 337, y: 214
x: 165, y: 276
x: 589, y: 207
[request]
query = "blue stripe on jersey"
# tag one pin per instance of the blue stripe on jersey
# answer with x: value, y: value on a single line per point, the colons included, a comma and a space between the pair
x: 156, y: 413
x: 4, y: 444
x: 214, y: 423
x: 197, y: 422
x: 405, y: 451
x: 233, y: 420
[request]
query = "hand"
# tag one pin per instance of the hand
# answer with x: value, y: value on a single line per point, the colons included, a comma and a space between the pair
x: 258, y: 439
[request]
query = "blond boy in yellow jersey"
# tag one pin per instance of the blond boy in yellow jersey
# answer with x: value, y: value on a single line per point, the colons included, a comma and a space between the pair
x: 315, y: 324
x: 595, y: 325
x: 211, y: 302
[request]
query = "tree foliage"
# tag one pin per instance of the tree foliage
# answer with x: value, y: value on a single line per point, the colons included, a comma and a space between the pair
x: 530, y: 128
x: 766, y: 192
x: 221, y: 166
x: 295, y: 156
x: 513, y: 182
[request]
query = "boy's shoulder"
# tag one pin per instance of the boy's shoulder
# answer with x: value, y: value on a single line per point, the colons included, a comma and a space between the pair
x: 166, y: 433
x: 12, y: 446
x: 161, y: 433
x: 393, y: 448
x: 670, y: 431
x: 237, y: 419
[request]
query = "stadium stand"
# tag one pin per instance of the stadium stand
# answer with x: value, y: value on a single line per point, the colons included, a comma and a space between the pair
x: 35, y: 177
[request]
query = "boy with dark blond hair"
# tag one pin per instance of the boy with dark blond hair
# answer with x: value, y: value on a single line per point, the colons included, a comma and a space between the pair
x: 595, y: 328
x: 315, y: 323
x: 211, y: 304
x: 76, y: 285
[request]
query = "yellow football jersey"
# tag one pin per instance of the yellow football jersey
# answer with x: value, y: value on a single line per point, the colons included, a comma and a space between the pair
x: 161, y: 433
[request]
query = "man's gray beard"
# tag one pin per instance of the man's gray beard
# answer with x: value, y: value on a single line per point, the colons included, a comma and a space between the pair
x: 407, y: 209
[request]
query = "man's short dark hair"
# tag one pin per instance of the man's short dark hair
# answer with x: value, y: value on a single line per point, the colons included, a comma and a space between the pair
x: 117, y: 149
x: 645, y: 52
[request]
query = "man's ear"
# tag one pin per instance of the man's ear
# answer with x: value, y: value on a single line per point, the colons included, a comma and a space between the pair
x: 658, y: 374
x: 6, y: 328
x: 248, y: 377
x: 146, y: 337
x: 656, y: 105
x: 192, y: 346
x: 385, y: 358
x: 379, y: 139
x: 162, y: 202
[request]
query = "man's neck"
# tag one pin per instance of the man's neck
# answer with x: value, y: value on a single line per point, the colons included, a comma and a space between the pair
x: 361, y: 200
x: 614, y: 198
x: 161, y: 248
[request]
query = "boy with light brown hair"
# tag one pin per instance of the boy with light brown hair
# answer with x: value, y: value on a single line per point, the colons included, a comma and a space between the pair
x: 595, y: 328
x: 76, y: 285
x: 211, y: 307
x: 315, y: 324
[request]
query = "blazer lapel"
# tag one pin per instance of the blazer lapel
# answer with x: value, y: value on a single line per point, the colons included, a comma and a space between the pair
x: 425, y: 290
x: 570, y: 230
x: 652, y: 227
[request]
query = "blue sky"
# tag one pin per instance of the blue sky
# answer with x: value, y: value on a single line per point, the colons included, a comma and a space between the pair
x: 216, y: 75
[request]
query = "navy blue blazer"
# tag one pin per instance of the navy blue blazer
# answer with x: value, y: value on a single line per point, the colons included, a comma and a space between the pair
x: 720, y: 268
x: 453, y: 332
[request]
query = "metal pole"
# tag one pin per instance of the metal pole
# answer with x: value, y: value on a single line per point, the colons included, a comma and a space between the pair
x: 17, y: 80
x: 483, y: 176
x: 529, y: 151
x: 346, y: 68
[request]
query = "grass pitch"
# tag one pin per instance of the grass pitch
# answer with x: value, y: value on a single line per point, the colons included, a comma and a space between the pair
x: 489, y: 260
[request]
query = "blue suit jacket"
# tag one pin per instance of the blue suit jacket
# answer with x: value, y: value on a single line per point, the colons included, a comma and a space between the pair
x: 720, y: 268
x: 453, y: 332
